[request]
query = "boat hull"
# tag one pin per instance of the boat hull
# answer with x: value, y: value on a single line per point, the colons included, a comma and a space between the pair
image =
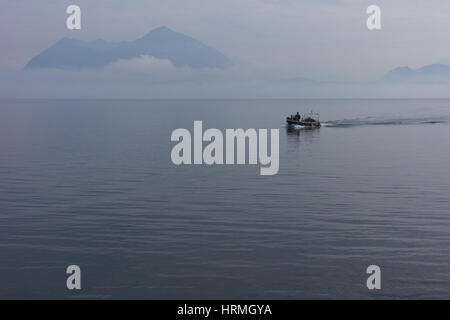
x: 304, y: 123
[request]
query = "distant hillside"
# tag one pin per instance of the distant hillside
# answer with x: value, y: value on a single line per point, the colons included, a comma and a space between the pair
x: 161, y: 43
x: 434, y: 72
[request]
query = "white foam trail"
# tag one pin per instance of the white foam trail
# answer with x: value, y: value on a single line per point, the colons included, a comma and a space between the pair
x: 374, y: 121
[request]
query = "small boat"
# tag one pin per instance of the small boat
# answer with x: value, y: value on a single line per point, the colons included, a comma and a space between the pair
x: 306, y: 120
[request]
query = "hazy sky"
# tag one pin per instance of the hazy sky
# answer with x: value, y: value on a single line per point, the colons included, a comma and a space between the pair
x: 323, y: 40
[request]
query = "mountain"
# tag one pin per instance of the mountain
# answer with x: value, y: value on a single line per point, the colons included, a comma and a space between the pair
x: 433, y: 72
x: 161, y: 43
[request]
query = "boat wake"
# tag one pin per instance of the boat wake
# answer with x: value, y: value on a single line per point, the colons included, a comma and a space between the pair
x: 370, y: 121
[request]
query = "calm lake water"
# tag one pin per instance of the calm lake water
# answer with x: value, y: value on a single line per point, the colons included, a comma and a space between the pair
x: 91, y: 183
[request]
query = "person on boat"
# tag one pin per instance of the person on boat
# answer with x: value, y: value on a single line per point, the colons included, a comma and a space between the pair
x: 297, y: 116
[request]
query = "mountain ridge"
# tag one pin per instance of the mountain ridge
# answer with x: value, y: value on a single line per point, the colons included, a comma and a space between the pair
x: 429, y: 72
x: 161, y: 43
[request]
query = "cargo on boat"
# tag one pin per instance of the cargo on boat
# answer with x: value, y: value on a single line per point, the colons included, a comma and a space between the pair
x: 306, y: 120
